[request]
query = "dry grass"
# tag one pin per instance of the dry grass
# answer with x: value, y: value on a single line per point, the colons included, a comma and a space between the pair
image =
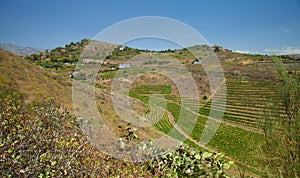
x: 33, y: 81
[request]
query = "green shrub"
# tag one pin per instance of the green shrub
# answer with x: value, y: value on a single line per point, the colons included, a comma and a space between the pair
x: 187, y: 162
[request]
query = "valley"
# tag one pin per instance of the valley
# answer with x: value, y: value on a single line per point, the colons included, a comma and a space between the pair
x: 250, y: 94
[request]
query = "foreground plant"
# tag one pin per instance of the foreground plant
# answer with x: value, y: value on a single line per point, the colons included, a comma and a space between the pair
x: 281, y: 148
x: 188, y: 162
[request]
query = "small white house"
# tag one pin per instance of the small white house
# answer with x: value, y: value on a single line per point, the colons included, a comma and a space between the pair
x: 196, y: 61
x: 122, y: 48
x: 123, y: 66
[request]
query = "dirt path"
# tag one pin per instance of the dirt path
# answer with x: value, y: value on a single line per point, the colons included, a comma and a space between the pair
x: 172, y: 120
x: 182, y: 132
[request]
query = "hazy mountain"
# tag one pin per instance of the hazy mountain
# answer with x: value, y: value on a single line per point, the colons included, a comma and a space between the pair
x: 20, y: 50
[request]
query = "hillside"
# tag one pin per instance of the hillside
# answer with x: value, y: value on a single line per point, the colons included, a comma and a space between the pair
x: 38, y: 139
x: 33, y: 81
x: 253, y: 95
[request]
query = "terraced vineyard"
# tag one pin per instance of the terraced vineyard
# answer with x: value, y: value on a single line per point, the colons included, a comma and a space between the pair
x: 164, y: 125
x: 247, y: 103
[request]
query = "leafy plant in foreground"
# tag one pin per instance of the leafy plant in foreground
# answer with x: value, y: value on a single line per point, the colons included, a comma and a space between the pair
x: 188, y: 162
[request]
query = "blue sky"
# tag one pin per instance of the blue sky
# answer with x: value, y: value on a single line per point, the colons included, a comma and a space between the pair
x: 271, y: 26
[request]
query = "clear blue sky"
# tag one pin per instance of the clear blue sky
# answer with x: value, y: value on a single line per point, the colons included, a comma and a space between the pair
x: 246, y: 25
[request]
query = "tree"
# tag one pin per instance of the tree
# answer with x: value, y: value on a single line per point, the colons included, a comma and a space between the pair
x: 217, y: 49
x: 281, y: 149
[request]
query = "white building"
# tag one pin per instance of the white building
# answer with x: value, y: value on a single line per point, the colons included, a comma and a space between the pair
x: 123, y: 66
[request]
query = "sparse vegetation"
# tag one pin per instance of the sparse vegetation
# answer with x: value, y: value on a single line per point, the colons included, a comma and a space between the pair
x: 38, y: 140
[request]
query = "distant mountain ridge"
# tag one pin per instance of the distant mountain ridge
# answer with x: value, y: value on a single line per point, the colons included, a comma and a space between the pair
x: 20, y: 50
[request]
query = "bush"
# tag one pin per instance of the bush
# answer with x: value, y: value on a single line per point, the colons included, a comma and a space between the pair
x: 39, y: 141
x: 281, y: 147
x: 187, y: 162
x: 180, y: 162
